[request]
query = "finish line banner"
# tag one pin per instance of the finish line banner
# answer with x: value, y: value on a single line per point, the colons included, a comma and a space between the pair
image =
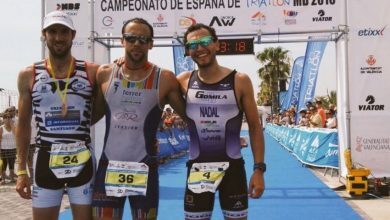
x: 173, y: 17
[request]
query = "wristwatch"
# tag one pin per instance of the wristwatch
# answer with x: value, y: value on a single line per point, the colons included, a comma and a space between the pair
x: 261, y: 166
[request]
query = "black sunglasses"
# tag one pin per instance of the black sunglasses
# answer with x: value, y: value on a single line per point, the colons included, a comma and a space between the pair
x: 133, y: 38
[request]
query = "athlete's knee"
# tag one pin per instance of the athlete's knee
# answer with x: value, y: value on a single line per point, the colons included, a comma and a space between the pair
x: 81, y: 212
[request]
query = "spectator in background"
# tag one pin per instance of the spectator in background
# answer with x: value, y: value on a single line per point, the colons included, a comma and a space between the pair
x: 286, y: 120
x: 333, y: 108
x: 292, y: 115
x: 331, y: 119
x: 321, y: 112
x: 303, y: 120
x: 8, y: 147
x: 315, y: 120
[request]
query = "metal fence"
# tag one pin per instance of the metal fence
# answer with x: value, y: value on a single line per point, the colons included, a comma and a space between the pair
x: 8, y: 98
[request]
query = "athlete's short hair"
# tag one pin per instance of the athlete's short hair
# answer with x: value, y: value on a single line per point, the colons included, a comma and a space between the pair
x: 138, y: 21
x: 199, y: 26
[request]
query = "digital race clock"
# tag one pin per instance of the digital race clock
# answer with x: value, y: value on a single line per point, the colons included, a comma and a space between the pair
x: 235, y: 46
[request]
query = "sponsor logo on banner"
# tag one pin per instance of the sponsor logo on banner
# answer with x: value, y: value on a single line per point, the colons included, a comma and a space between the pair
x: 258, y: 18
x: 371, y: 106
x: 70, y: 8
x: 372, y: 32
x: 321, y: 17
x: 78, y: 43
x: 186, y: 21
x: 289, y: 17
x: 371, y: 69
x: 107, y: 22
x: 372, y: 144
x: 266, y: 3
x: 222, y: 21
x: 160, y: 22
x: 313, y: 2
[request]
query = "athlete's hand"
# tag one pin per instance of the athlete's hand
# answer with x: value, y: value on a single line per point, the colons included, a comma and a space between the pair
x: 120, y: 61
x: 23, y: 186
x: 256, y: 184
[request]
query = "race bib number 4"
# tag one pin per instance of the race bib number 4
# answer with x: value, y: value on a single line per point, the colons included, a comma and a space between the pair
x: 126, y: 178
x: 206, y: 177
x: 67, y: 160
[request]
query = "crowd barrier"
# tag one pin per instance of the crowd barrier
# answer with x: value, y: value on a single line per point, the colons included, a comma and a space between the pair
x: 313, y: 146
x: 172, y: 142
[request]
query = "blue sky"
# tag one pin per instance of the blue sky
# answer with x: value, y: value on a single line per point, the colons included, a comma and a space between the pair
x: 21, y: 46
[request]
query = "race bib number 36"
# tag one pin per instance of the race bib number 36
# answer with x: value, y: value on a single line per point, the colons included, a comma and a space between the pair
x: 67, y: 160
x: 126, y: 179
x: 206, y: 177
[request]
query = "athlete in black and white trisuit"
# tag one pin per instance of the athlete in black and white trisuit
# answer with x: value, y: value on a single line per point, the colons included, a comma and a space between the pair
x: 134, y: 95
x: 216, y: 99
x: 53, y: 128
x: 58, y: 93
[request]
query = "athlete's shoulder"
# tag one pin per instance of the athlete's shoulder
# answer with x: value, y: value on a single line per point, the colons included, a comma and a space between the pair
x: 183, y: 76
x: 91, y: 69
x: 104, y: 72
x: 26, y: 73
x: 92, y: 66
x: 242, y: 77
x: 107, y: 67
x: 26, y: 79
x: 166, y: 73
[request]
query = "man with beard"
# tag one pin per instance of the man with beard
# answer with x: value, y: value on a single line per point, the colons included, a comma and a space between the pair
x: 216, y: 99
x: 135, y: 94
x: 58, y: 92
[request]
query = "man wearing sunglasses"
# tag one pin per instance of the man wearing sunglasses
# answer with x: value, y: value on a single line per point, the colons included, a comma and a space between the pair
x: 135, y: 94
x: 216, y: 99
x: 58, y: 92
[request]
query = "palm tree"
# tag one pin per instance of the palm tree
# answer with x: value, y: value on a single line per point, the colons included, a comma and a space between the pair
x: 276, y: 67
x: 330, y: 98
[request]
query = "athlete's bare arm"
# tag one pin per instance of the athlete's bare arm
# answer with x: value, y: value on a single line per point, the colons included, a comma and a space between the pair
x: 170, y: 92
x: 183, y: 79
x: 102, y: 80
x: 247, y: 103
x: 23, y: 129
x: 97, y: 105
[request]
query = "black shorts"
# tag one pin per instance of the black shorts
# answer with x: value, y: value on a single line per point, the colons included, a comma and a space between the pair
x: 45, y: 178
x: 233, y: 191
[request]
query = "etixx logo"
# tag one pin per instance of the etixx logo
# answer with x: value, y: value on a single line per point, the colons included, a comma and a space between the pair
x: 371, y: 32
